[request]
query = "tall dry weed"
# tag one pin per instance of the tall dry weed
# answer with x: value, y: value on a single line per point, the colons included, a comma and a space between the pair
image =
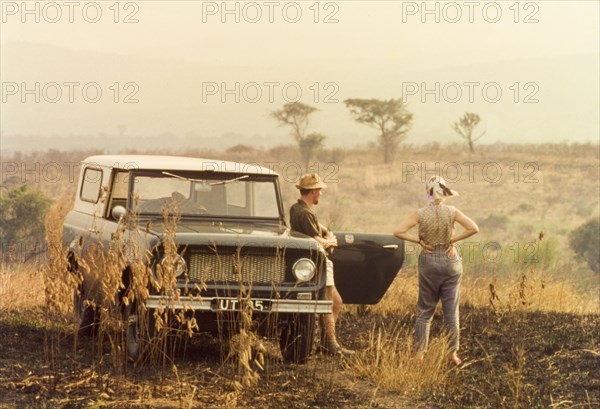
x: 58, y: 284
x: 389, y: 361
x: 161, y: 331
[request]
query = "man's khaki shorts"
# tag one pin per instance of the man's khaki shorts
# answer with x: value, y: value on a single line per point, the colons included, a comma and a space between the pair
x: 330, y: 281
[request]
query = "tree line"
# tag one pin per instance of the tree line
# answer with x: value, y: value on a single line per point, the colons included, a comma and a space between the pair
x: 389, y: 118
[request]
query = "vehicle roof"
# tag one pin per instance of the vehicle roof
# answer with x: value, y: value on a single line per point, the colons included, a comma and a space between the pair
x: 160, y: 162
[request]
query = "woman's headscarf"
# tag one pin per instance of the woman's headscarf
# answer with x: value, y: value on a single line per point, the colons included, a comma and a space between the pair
x: 437, y: 189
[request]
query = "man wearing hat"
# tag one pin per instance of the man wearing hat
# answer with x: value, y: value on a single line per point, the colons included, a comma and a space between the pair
x: 304, y: 220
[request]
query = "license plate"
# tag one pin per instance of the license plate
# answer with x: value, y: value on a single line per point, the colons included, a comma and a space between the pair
x: 234, y: 304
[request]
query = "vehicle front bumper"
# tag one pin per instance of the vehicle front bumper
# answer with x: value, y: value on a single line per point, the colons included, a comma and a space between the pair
x: 258, y: 305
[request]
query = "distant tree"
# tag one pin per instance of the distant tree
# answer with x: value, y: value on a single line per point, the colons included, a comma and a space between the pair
x: 22, y: 213
x: 310, y: 146
x: 585, y: 242
x: 465, y: 126
x: 389, y: 117
x: 296, y: 115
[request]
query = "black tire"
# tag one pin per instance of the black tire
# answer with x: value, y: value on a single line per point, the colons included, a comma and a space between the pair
x: 140, y: 331
x: 86, y: 315
x: 297, y: 338
x: 136, y: 339
x: 143, y: 338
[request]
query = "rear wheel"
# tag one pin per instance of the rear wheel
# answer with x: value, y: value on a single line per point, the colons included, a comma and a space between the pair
x: 85, y: 313
x: 297, y: 338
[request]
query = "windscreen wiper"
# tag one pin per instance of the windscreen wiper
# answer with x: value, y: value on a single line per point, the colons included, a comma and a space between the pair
x: 183, y: 178
x: 224, y: 182
x: 221, y: 182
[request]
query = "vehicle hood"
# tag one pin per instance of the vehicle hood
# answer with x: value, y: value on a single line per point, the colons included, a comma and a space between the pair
x: 230, y: 233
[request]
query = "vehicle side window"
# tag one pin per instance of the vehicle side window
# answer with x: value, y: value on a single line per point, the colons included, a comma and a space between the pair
x: 91, y: 185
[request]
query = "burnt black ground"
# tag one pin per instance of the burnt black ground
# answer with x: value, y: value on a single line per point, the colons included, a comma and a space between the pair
x: 521, y: 359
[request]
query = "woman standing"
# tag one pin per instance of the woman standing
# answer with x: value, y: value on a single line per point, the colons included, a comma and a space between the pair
x: 440, y: 266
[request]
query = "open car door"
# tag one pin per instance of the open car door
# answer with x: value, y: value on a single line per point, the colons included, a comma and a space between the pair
x: 365, y: 265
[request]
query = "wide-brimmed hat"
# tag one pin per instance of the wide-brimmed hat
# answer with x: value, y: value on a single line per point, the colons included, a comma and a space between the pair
x: 438, y: 190
x: 310, y: 181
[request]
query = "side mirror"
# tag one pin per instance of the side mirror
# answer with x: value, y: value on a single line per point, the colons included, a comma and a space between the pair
x: 118, y: 212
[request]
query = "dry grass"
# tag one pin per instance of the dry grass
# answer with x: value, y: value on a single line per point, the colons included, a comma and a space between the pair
x: 504, y: 302
x: 390, y: 363
x: 21, y: 287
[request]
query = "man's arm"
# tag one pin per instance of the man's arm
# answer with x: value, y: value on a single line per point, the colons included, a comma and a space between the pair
x: 330, y: 240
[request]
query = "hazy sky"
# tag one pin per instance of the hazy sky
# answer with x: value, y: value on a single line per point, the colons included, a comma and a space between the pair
x: 549, y: 49
x: 401, y: 33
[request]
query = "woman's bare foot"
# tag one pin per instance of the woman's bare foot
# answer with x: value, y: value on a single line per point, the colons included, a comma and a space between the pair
x: 455, y: 359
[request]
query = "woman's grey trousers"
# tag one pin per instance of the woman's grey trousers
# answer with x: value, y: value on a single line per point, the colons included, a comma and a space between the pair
x: 439, y: 279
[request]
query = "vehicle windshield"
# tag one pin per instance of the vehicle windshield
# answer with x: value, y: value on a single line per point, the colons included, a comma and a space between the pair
x: 201, y: 195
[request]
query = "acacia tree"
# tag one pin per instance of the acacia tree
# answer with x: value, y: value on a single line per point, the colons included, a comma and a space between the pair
x: 465, y: 126
x: 297, y: 116
x: 389, y: 117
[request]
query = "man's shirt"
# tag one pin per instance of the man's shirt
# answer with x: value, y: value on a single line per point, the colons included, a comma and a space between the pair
x: 304, y: 220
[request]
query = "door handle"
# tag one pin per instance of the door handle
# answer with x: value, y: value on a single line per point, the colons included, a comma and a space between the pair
x: 391, y: 246
x: 92, y: 230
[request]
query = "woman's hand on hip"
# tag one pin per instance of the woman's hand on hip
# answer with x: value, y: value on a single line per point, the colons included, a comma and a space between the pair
x: 451, y: 252
x: 426, y: 247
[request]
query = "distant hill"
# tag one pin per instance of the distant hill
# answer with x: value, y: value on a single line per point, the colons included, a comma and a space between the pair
x: 172, y: 110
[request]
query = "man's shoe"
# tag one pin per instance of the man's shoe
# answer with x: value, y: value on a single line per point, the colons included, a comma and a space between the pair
x: 346, y: 351
x: 333, y: 348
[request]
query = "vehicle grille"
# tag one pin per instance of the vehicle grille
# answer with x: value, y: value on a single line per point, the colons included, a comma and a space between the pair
x: 253, y: 268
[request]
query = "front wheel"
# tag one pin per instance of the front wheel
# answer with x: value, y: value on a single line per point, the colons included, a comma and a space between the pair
x: 297, y: 338
x: 146, y: 337
x: 135, y: 340
x: 140, y: 329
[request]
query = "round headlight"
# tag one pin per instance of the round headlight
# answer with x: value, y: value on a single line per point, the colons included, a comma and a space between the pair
x: 178, y: 265
x: 304, y: 269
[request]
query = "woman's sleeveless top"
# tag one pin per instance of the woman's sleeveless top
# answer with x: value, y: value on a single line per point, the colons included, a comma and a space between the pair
x: 436, y: 224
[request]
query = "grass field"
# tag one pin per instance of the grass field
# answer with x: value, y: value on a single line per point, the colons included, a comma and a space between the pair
x: 530, y: 313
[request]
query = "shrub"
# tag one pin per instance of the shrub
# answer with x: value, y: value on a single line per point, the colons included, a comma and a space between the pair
x: 585, y: 241
x: 22, y: 213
